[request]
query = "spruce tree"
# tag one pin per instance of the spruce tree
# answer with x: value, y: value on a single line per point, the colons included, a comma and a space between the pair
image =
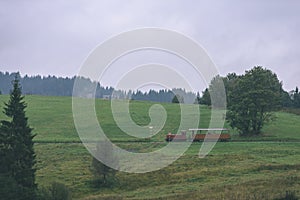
x: 178, y: 99
x: 16, y: 150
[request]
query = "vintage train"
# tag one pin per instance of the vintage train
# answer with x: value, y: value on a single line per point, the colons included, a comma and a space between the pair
x: 199, y: 134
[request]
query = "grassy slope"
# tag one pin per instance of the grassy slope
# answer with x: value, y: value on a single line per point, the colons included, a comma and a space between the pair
x: 52, y: 120
x: 231, y: 171
x: 286, y: 126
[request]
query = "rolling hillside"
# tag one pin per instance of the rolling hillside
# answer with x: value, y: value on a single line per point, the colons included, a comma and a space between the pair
x: 263, y: 169
x: 52, y: 120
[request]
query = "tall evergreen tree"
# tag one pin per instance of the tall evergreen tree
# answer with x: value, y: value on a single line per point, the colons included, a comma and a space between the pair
x: 178, y: 99
x: 175, y: 99
x: 198, y: 99
x: 16, y: 150
x: 205, y: 99
x: 296, y: 98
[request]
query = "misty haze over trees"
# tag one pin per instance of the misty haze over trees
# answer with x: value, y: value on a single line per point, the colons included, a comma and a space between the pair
x: 58, y: 86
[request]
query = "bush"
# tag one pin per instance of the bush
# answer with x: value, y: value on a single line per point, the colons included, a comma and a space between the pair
x: 295, y: 111
x: 104, y: 176
x: 289, y: 196
x: 57, y: 191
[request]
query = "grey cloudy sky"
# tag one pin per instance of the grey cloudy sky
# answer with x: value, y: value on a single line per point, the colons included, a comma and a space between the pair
x: 54, y: 37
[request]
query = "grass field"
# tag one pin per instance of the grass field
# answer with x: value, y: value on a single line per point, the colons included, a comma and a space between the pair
x: 52, y: 120
x: 263, y: 169
x: 237, y: 170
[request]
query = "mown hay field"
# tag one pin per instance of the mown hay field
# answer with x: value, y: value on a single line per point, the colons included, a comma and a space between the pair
x: 263, y: 167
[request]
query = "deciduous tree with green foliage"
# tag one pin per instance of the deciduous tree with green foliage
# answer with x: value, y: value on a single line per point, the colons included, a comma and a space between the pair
x: 230, y: 82
x: 16, y: 147
x: 253, y: 99
x: 217, y: 92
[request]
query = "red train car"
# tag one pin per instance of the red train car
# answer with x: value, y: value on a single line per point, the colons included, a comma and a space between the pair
x: 176, y: 137
x: 211, y: 134
x: 223, y: 137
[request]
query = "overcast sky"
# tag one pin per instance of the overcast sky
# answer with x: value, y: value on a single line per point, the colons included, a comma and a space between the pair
x: 54, y: 37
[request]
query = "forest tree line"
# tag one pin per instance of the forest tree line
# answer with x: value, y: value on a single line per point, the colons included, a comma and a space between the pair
x: 58, y: 86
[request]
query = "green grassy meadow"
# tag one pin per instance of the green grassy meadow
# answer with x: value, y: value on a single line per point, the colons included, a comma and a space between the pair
x: 264, y: 168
